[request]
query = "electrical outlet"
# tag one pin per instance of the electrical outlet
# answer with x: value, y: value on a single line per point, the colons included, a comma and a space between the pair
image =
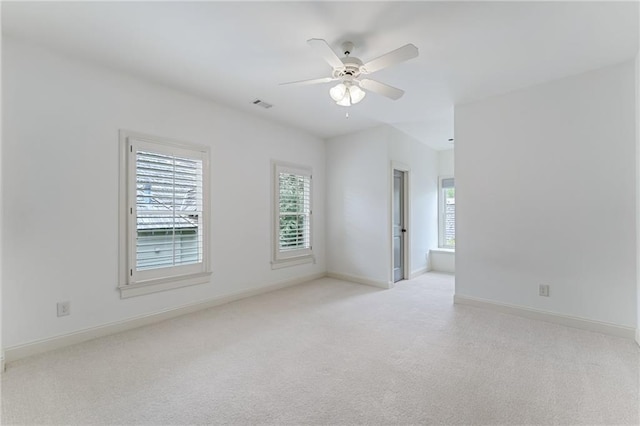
x: 544, y: 290
x: 64, y: 308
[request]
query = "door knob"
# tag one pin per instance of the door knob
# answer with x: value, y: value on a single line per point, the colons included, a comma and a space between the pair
x: 404, y: 230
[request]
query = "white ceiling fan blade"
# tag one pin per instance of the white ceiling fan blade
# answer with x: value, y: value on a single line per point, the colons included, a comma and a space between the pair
x: 323, y: 49
x: 308, y: 82
x: 401, y: 54
x: 382, y: 89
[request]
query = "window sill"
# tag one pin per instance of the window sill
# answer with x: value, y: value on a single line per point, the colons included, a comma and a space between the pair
x: 285, y: 263
x: 154, y: 286
x: 443, y: 250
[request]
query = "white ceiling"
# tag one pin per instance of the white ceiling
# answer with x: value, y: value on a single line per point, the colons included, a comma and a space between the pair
x: 235, y: 52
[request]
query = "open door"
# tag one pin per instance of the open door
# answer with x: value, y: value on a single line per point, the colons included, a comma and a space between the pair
x: 398, y: 225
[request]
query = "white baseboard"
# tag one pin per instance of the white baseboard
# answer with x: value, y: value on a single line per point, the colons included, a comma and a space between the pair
x: 569, y: 321
x: 418, y: 272
x: 44, y: 345
x: 359, y: 280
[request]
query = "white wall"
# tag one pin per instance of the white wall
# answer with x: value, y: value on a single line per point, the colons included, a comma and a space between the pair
x: 357, y: 205
x: 443, y: 260
x: 359, y: 168
x: 423, y: 186
x: 60, y: 191
x: 1, y: 213
x: 637, y: 115
x: 446, y: 163
x: 545, y: 190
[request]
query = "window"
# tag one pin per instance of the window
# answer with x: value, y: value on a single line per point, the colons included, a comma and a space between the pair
x: 292, y: 218
x: 165, y: 235
x: 447, y: 216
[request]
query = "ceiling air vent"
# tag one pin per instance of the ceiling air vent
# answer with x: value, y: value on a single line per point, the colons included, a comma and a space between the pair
x: 262, y: 104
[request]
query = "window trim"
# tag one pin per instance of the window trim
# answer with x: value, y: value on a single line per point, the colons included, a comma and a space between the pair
x: 127, y: 199
x: 280, y: 259
x: 441, y: 213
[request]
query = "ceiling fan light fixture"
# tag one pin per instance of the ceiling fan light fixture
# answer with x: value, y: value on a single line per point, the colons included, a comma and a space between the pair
x: 356, y: 93
x: 338, y: 92
x: 345, y: 101
x: 346, y: 94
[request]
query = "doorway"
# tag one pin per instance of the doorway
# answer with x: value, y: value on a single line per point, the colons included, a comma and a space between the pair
x: 399, y: 230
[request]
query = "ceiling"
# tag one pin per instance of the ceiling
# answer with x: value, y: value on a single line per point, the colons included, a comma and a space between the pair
x: 235, y: 52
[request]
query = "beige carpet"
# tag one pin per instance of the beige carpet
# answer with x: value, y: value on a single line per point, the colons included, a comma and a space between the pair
x: 332, y: 352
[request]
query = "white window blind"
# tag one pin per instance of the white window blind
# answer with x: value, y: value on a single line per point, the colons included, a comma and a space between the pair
x: 293, y: 207
x: 447, y: 226
x: 167, y: 208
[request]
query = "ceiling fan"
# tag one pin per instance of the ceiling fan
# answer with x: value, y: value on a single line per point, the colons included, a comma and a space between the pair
x: 350, y: 71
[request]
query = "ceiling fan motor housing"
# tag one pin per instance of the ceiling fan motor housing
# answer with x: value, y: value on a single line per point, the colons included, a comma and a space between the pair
x: 351, y: 68
x: 352, y: 65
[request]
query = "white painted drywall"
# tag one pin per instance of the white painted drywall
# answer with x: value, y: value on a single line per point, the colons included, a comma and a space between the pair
x: 1, y: 213
x: 545, y: 190
x: 358, y: 205
x: 637, y: 115
x: 446, y: 163
x: 60, y: 191
x: 359, y: 168
x: 423, y: 198
x: 442, y: 261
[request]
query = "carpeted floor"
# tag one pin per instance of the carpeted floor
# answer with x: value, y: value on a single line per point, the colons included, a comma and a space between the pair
x: 332, y: 352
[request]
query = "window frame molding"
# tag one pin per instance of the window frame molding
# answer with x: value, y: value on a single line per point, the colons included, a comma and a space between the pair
x: 126, y: 221
x: 442, y: 213
x: 294, y: 257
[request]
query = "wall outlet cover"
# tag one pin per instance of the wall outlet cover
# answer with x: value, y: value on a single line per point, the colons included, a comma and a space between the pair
x: 544, y: 290
x: 64, y: 308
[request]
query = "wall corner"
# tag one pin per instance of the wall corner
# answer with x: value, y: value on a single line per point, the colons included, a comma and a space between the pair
x: 636, y: 114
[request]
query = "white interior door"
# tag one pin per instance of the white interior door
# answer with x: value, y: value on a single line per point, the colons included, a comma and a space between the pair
x: 399, y: 230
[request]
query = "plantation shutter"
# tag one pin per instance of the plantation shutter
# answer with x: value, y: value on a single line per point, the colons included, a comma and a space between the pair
x: 167, y: 220
x: 448, y: 183
x: 448, y: 229
x: 294, y: 212
x: 168, y: 210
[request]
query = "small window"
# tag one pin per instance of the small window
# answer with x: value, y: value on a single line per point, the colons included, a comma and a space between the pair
x: 447, y: 216
x: 166, y: 211
x: 292, y: 218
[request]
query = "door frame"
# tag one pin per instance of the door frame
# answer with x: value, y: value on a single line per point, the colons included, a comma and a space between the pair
x: 406, y: 261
